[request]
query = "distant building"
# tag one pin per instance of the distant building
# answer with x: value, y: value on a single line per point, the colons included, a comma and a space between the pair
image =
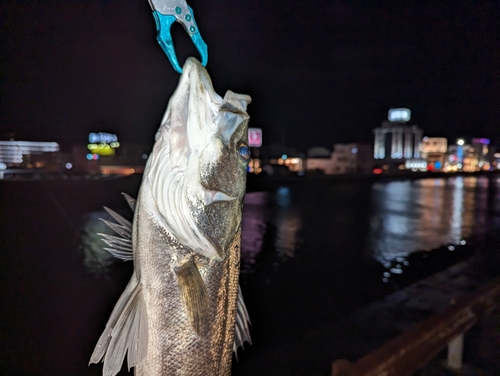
x: 282, y: 160
x: 318, y: 152
x: 470, y: 157
x: 292, y: 164
x: 30, y: 155
x: 345, y: 159
x: 482, y: 153
x: 255, y: 143
x: 396, y: 140
x: 434, y: 151
x: 119, y: 159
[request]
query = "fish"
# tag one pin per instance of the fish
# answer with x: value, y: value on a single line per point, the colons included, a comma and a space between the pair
x: 182, y: 312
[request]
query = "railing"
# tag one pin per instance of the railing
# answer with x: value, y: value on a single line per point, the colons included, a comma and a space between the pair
x: 404, y: 355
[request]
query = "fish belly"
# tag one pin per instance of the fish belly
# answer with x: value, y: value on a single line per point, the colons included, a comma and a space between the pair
x: 174, y: 347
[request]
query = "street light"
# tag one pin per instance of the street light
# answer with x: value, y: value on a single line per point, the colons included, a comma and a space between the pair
x: 460, y: 142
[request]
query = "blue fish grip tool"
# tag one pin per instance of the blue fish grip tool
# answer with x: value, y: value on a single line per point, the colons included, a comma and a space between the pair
x: 166, y: 12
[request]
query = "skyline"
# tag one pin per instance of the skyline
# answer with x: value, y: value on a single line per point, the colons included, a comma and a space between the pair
x: 319, y: 72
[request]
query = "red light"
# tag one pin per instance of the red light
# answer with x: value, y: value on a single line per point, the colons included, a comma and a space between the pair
x: 377, y: 171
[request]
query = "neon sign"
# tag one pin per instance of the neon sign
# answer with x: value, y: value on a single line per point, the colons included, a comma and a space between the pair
x: 255, y: 137
x: 103, y: 144
x: 102, y: 138
x: 399, y: 114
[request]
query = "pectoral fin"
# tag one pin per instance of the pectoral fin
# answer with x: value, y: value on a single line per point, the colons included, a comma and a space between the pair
x: 194, y: 295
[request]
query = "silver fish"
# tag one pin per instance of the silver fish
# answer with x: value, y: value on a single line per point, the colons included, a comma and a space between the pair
x: 182, y: 312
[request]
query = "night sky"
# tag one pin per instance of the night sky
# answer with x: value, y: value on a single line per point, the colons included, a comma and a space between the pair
x: 319, y: 72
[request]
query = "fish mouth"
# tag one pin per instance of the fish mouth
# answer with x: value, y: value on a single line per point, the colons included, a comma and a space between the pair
x: 216, y: 196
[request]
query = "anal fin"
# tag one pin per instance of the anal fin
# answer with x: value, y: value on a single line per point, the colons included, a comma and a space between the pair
x: 241, y: 330
x: 194, y: 295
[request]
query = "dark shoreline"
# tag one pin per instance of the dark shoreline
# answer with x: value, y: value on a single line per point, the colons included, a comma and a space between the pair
x: 265, y: 182
x: 260, y: 182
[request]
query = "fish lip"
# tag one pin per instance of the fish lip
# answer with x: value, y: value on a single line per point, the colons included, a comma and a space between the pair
x: 212, y: 196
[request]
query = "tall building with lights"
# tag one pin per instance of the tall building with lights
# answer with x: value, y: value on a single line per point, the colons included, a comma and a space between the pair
x: 396, y: 139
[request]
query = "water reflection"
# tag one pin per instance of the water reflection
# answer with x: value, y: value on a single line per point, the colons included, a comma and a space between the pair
x: 425, y: 214
x: 95, y: 258
x: 253, y: 228
x: 288, y: 225
x: 267, y: 217
x: 406, y: 216
x: 269, y: 220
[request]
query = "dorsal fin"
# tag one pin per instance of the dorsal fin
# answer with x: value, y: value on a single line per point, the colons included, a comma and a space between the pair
x: 121, y: 220
x: 120, y: 246
x: 241, y: 330
x: 130, y: 201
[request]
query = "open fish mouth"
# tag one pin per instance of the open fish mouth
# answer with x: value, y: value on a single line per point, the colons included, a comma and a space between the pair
x: 216, y: 196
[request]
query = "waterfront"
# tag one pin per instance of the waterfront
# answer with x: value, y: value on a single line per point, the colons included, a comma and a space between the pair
x: 311, y: 254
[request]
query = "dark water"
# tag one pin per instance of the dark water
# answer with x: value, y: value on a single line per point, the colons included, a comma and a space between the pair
x: 311, y: 254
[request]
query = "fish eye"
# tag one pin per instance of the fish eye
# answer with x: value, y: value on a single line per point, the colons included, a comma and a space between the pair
x: 244, y: 151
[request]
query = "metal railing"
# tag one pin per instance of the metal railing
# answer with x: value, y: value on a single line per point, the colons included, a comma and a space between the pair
x: 404, y: 355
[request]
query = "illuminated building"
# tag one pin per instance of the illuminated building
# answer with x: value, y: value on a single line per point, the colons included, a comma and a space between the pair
x: 102, y: 144
x: 434, y: 151
x: 396, y: 139
x: 290, y: 161
x: 105, y: 155
x: 255, y: 142
x: 29, y: 155
x: 294, y: 164
x: 469, y: 157
x: 345, y: 159
x: 481, y: 148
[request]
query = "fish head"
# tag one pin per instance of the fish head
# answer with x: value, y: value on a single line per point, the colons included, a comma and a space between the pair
x: 197, y: 170
x: 218, y: 199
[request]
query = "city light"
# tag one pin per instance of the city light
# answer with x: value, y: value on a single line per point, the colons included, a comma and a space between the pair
x: 399, y: 115
x: 255, y: 137
x: 460, y: 142
x: 103, y: 144
x: 102, y: 149
x: 102, y: 138
x: 483, y: 141
x: 12, y: 152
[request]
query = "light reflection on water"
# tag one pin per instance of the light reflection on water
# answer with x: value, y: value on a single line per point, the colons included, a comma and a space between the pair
x: 95, y: 257
x: 425, y: 214
x: 269, y: 217
x: 405, y: 216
